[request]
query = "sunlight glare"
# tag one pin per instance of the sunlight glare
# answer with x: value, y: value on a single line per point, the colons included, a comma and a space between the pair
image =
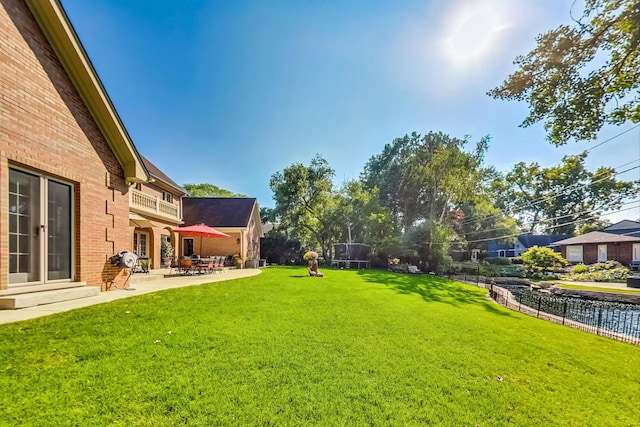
x: 472, y: 31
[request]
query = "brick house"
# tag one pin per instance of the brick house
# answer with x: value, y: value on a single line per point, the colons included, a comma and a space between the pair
x: 599, y: 246
x: 67, y: 163
x: 237, y: 217
x: 155, y: 210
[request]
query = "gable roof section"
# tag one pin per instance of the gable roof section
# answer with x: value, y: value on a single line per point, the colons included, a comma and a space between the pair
x: 626, y: 227
x: 160, y: 176
x: 55, y: 25
x: 217, y: 211
x: 598, y: 237
x: 541, y: 240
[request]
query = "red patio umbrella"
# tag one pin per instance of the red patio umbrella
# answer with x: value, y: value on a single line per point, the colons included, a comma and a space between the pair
x: 201, y: 230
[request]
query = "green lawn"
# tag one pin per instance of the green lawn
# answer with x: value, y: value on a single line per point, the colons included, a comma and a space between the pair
x: 282, y: 348
x: 597, y: 288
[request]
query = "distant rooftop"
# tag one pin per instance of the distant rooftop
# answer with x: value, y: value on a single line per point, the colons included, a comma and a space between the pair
x: 217, y: 211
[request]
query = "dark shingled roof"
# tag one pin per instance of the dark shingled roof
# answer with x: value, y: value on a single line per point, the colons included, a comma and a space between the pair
x: 598, y: 237
x: 625, y: 227
x: 159, y: 175
x: 541, y: 240
x: 217, y: 211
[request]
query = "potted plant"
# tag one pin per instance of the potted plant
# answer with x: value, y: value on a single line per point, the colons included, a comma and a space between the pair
x: 166, y: 251
x: 144, y: 264
x: 238, y: 261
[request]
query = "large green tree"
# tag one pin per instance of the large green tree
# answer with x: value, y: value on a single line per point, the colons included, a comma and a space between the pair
x: 424, y: 177
x: 421, y: 179
x: 583, y: 75
x: 482, y: 221
x: 559, y: 199
x: 304, y: 203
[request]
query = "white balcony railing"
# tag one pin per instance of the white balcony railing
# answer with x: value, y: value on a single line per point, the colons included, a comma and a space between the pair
x: 144, y: 203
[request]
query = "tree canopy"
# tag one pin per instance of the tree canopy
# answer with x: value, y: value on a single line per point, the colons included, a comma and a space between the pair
x: 304, y: 204
x: 582, y: 76
x: 561, y: 198
x: 209, y: 190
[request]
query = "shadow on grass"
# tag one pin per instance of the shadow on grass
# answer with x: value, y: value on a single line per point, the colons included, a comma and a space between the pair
x: 432, y: 289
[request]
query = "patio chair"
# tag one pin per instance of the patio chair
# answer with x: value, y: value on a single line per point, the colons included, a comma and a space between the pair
x: 186, y: 266
x: 209, y: 265
x: 218, y: 266
x: 175, y: 264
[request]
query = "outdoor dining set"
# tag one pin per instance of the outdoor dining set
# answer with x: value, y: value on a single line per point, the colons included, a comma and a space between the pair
x: 188, y: 266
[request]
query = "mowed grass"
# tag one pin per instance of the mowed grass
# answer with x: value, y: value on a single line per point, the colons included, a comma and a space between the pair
x: 598, y: 288
x: 281, y: 348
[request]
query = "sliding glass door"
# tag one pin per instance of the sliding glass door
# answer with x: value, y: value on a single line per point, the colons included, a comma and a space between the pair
x: 40, y: 229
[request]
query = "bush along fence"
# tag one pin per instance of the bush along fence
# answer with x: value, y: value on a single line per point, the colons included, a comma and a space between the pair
x: 609, y: 319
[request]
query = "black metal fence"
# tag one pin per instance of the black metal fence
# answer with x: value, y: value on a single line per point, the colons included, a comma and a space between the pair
x: 619, y: 321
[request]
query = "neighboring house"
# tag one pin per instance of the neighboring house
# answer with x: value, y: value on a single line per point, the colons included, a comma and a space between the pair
x: 599, y: 246
x: 625, y: 227
x: 66, y: 160
x: 523, y: 243
x: 155, y: 209
x: 237, y: 217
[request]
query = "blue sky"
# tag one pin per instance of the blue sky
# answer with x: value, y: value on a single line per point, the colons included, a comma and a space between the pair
x: 230, y: 92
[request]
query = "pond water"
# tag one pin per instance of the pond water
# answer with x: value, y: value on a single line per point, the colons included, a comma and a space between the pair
x: 617, y: 317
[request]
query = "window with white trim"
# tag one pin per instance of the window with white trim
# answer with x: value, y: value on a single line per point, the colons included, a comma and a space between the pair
x: 574, y: 253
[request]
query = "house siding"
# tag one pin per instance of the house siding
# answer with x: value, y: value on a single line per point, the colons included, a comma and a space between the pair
x: 46, y: 127
x: 621, y: 252
x: 159, y: 227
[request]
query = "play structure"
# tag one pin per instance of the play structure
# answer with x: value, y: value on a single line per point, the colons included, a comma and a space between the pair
x: 350, y: 255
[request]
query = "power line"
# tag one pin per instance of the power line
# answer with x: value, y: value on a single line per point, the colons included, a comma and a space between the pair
x: 613, y: 137
x: 552, y: 196
x: 562, y: 216
x: 547, y: 228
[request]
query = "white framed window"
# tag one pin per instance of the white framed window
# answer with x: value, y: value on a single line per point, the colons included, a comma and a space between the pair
x: 574, y: 253
x: 636, y: 252
x: 167, y: 197
x: 140, y: 243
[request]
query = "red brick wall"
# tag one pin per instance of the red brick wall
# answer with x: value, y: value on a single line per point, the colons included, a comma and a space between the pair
x: 46, y: 127
x: 625, y: 253
x: 621, y: 252
x: 215, y: 246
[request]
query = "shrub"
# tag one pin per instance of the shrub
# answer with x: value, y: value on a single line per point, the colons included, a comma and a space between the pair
x: 607, y: 265
x: 580, y: 268
x: 497, y: 261
x: 611, y: 275
x: 511, y: 271
x: 541, y: 262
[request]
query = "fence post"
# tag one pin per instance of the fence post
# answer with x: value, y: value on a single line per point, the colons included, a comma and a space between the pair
x: 564, y: 312
x: 520, y: 302
x: 539, y: 303
x: 478, y: 275
x: 599, y: 320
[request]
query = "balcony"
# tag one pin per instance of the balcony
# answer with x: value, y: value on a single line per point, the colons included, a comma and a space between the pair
x: 153, y: 206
